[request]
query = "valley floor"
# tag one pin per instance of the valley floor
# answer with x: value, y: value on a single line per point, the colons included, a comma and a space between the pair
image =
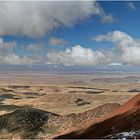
x: 65, y: 93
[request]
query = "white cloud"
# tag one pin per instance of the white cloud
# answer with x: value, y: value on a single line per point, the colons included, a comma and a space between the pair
x: 128, y: 52
x: 131, y: 5
x: 37, y: 53
x: 53, y: 41
x: 8, y: 54
x: 6, y: 49
x: 115, y: 64
x: 121, y: 38
x: 34, y: 19
x: 78, y: 55
x: 15, y: 59
x: 105, y: 18
x: 129, y: 47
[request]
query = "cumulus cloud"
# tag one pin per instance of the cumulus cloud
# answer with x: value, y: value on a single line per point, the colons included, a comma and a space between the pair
x: 53, y: 41
x: 129, y: 47
x: 127, y: 52
x: 6, y: 48
x: 8, y: 55
x: 121, y: 38
x: 105, y: 18
x: 131, y: 5
x: 15, y: 59
x: 78, y: 55
x: 35, y: 54
x: 35, y: 19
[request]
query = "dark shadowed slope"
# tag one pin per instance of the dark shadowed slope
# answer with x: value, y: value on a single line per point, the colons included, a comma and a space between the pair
x: 23, y: 123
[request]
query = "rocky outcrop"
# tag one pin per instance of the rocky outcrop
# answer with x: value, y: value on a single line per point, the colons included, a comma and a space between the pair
x: 75, y: 121
x: 30, y: 123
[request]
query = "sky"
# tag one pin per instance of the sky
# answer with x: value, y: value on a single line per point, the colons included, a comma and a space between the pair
x: 70, y: 33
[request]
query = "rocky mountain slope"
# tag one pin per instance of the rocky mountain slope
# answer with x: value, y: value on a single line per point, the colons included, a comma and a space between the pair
x: 27, y: 123
x: 124, y: 122
x: 107, y: 121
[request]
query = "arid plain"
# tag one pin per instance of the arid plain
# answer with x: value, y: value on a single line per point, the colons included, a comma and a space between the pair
x: 65, y: 93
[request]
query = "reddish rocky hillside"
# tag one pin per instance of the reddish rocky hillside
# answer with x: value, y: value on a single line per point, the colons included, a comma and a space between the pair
x: 80, y: 120
x: 124, y: 122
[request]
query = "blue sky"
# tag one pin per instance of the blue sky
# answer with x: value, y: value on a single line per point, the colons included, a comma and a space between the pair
x: 127, y: 20
x: 124, y: 16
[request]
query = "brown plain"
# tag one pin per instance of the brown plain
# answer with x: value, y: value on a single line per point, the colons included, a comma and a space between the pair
x: 65, y: 93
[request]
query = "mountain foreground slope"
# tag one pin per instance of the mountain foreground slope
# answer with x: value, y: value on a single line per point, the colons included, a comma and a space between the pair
x: 31, y: 123
x: 106, y: 121
x: 124, y: 122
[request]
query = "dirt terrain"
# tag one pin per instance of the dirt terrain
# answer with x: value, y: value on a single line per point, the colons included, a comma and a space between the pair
x: 61, y: 102
x: 65, y: 93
